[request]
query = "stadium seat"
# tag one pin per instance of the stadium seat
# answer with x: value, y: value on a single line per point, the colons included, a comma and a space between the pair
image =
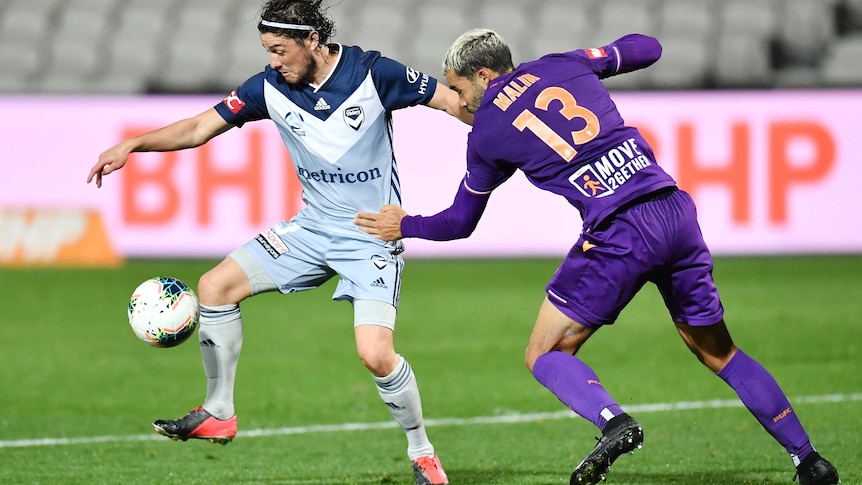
x: 750, y: 17
x: 621, y: 17
x: 692, y: 18
x: 805, y: 30
x: 24, y: 21
x: 796, y: 77
x: 20, y: 62
x: 562, y: 26
x: 78, y: 44
x: 138, y: 29
x: 243, y: 58
x: 843, y: 64
x: 684, y: 63
x: 742, y: 61
x: 849, y: 14
x: 800, y: 42
x: 508, y: 19
x: 193, y: 49
x: 438, y: 25
x: 376, y: 25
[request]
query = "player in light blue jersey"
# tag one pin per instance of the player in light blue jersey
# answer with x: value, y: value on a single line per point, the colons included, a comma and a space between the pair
x: 332, y: 105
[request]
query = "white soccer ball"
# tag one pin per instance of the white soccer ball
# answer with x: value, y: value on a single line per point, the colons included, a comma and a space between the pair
x: 164, y: 311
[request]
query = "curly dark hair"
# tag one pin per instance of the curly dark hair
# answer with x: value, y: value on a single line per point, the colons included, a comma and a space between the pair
x: 301, y: 12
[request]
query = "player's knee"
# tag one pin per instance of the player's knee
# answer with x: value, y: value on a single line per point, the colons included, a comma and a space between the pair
x: 226, y: 284
x: 530, y: 357
x: 378, y: 361
x: 207, y: 289
x: 212, y: 291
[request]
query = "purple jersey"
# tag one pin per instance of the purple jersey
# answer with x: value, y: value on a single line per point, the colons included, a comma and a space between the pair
x: 553, y: 119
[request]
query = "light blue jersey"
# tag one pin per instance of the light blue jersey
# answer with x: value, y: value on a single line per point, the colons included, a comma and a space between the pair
x: 338, y: 134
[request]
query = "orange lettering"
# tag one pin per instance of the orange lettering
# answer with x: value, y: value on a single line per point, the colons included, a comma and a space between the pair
x: 292, y: 189
x: 247, y: 179
x: 734, y: 174
x: 783, y: 174
x: 651, y: 139
x: 135, y: 180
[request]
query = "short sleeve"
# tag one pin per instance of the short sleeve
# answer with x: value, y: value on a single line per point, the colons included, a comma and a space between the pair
x: 245, y: 103
x: 400, y: 86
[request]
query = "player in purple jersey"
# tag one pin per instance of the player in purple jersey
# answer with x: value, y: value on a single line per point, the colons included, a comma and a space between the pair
x: 332, y: 106
x: 553, y: 120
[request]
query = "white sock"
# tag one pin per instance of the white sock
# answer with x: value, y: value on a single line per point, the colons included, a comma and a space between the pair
x: 401, y: 395
x: 220, y: 337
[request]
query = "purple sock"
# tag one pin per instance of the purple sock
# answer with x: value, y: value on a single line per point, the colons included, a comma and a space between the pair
x: 764, y: 398
x: 576, y: 386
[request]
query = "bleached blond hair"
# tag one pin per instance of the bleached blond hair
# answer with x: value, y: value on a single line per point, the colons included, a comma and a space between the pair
x: 475, y: 49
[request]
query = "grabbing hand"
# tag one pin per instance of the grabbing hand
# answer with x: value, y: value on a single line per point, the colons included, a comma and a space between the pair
x: 385, y: 225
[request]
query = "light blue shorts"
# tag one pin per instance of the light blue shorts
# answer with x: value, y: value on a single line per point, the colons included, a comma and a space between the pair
x: 290, y: 258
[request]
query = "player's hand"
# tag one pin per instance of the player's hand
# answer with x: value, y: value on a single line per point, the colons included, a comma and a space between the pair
x: 112, y: 159
x: 385, y: 225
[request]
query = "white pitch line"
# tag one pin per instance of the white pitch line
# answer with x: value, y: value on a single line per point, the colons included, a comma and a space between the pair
x: 503, y: 419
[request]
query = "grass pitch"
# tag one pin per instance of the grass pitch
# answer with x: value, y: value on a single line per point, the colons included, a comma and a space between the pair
x: 78, y: 390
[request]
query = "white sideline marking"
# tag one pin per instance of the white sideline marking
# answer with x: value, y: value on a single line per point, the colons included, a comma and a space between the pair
x: 504, y: 419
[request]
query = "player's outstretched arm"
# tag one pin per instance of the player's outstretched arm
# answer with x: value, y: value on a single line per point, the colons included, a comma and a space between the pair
x: 637, y: 51
x: 187, y: 133
x: 458, y: 221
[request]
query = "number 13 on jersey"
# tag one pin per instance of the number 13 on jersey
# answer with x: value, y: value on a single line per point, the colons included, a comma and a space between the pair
x: 570, y: 110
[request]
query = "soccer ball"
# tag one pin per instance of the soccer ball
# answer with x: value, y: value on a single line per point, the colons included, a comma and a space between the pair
x: 163, y: 311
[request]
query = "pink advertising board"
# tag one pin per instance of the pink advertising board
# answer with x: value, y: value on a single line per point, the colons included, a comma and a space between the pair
x: 772, y: 172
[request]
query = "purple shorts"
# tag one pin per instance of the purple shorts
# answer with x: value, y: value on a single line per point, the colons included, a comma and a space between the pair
x: 657, y: 240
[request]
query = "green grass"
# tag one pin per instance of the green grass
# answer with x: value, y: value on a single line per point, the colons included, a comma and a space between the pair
x: 72, y: 368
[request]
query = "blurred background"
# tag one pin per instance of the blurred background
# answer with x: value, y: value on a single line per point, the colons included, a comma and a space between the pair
x: 754, y: 107
x: 194, y: 46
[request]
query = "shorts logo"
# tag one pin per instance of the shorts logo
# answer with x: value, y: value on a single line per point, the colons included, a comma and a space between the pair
x: 354, y: 117
x: 379, y: 283
x: 379, y: 261
x: 271, y: 243
x: 233, y: 103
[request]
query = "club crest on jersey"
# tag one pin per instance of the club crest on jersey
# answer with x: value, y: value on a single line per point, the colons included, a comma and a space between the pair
x: 379, y: 261
x: 596, y: 53
x: 295, y: 121
x: 354, y: 117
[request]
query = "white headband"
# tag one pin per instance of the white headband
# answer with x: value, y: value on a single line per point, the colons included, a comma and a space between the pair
x: 280, y: 25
